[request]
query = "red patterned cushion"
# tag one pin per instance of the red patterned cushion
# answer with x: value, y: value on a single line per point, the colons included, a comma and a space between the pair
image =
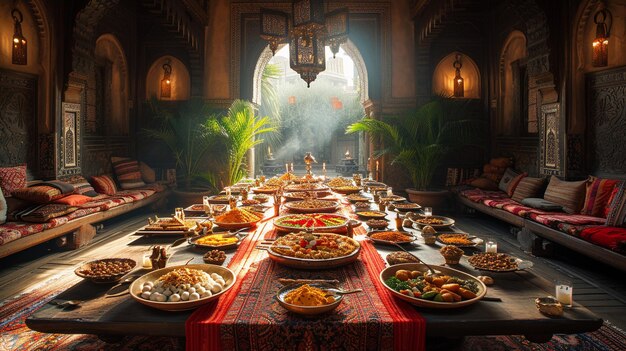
x: 127, y: 172
x: 12, y: 178
x: 597, y: 196
x: 73, y: 200
x: 617, y: 212
x: 613, y: 238
x: 81, y: 185
x: 44, y: 213
x: 40, y: 194
x: 509, y: 181
x: 104, y: 184
x: 570, y: 195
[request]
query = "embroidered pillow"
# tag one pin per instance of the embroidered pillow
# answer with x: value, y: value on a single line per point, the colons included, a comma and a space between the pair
x: 43, y: 213
x: 73, y: 200
x: 597, y: 196
x: 127, y: 173
x: 148, y: 175
x: 82, y: 186
x: 12, y: 178
x: 509, y: 181
x: 607, y: 209
x: 104, y: 184
x: 528, y: 187
x: 40, y: 194
x: 617, y: 209
x: 3, y: 208
x: 568, y: 194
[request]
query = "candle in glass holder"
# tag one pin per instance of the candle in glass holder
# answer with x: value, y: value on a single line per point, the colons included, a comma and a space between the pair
x: 291, y: 167
x: 564, y: 292
x: 286, y: 168
x: 376, y: 166
x: 389, y: 191
x: 324, y: 166
x: 227, y: 190
x: 428, y: 211
x: 205, y: 204
x: 146, y: 262
x: 491, y: 246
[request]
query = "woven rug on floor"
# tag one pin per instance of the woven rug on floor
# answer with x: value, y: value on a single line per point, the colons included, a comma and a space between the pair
x: 16, y: 336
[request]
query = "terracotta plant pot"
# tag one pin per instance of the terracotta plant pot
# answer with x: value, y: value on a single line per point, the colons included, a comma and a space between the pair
x: 437, y: 199
x: 188, y: 197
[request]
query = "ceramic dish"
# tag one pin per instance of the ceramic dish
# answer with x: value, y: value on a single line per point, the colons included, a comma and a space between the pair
x: 312, y: 206
x: 409, y: 237
x: 315, y: 263
x: 392, y: 198
x: 105, y: 278
x: 512, y: 263
x: 321, y: 221
x: 308, y: 310
x: 306, y: 187
x: 445, y: 222
x: 236, y: 225
x: 405, y: 206
x: 391, y: 271
x: 265, y: 190
x: 135, y: 287
x: 458, y: 240
x: 371, y: 214
x: 194, y: 241
x: 349, y: 189
x: 218, y: 199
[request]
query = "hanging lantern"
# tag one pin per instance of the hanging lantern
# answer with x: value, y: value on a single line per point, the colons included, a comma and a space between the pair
x: 166, y: 82
x: 600, y: 44
x: 337, y: 28
x: 458, y: 81
x: 274, y: 28
x: 20, y: 48
x: 308, y: 17
x: 307, y: 56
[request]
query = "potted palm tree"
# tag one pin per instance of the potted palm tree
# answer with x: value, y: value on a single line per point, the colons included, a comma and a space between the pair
x: 420, y: 140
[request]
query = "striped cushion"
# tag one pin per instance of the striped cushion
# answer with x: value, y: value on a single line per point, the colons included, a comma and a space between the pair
x: 597, y: 196
x: 607, y: 209
x: 617, y: 208
x: 12, y: 178
x: 104, y: 184
x: 40, y: 194
x: 43, y: 213
x: 528, y: 187
x: 509, y: 181
x: 127, y: 172
x: 570, y: 195
x: 82, y: 186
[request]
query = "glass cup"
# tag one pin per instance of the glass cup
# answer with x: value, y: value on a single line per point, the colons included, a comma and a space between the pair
x: 179, y: 213
x: 564, y: 292
x: 389, y: 191
x: 491, y: 246
x: 428, y: 211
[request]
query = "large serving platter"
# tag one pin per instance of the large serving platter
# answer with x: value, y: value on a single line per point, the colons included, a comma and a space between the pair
x: 446, y: 222
x: 307, y: 310
x: 306, y: 187
x: 268, y: 189
x: 391, y: 271
x: 410, y: 237
x: 111, y: 278
x: 298, y: 222
x: 406, y: 206
x: 519, y: 264
x: 236, y: 225
x: 301, y: 206
x: 445, y: 238
x: 135, y: 287
x: 309, y: 263
x: 194, y: 241
x: 347, y: 189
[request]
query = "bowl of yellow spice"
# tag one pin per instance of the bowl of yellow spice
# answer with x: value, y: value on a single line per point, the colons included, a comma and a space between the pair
x: 220, y: 241
x: 309, y: 299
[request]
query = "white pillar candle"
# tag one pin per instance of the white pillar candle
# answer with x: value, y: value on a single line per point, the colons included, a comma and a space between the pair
x: 286, y: 168
x: 491, y: 246
x: 564, y: 292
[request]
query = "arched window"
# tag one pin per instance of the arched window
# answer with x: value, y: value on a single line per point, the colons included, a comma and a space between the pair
x: 517, y: 109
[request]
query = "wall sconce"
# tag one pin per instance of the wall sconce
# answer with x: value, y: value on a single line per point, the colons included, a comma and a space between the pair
x: 600, y: 44
x: 20, y: 52
x: 458, y: 82
x: 166, y: 82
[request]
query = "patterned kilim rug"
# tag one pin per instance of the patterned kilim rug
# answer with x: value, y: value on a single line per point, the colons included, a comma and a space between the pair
x: 15, y: 335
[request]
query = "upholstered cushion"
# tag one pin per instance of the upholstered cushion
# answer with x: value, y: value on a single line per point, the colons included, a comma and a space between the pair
x: 73, y: 200
x: 509, y: 181
x: 617, y: 208
x: 613, y: 238
x: 104, y: 184
x: 528, y: 187
x: 597, y: 196
x: 43, y: 213
x: 607, y: 208
x: 3, y: 208
x: 82, y: 186
x: 40, y: 194
x: 541, y: 204
x: 568, y: 194
x: 148, y: 175
x: 127, y: 172
x: 484, y: 183
x: 12, y: 178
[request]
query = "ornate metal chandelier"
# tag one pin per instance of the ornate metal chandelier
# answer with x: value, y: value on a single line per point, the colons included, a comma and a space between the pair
x: 308, y: 32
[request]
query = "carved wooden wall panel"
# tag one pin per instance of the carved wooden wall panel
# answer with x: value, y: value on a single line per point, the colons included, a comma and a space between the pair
x: 550, y: 140
x: 18, y: 119
x: 606, y: 121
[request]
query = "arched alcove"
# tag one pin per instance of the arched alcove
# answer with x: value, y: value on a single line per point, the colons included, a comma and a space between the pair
x: 113, y: 80
x: 180, y: 81
x: 444, y: 73
x: 512, y: 81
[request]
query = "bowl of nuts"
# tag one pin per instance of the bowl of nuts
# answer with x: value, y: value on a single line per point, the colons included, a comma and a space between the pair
x: 108, y: 270
x: 451, y: 254
x: 216, y: 257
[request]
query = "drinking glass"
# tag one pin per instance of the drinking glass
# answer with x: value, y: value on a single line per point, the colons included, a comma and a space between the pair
x: 179, y: 213
x: 564, y: 292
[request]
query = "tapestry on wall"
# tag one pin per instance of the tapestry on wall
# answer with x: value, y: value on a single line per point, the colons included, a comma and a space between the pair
x: 550, y: 140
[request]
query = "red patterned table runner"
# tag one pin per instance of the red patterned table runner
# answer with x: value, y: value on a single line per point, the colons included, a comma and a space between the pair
x: 248, y: 316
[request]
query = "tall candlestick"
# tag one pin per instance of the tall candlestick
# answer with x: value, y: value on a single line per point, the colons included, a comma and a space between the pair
x: 369, y: 164
x: 377, y: 166
x: 324, y: 166
x: 291, y: 167
x: 286, y: 168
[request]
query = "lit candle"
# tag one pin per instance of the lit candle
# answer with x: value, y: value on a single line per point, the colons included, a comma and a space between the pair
x: 227, y: 189
x: 291, y: 167
x: 389, y: 191
x: 564, y: 292
x: 376, y: 166
x: 269, y: 150
x: 369, y: 164
x: 286, y: 168
x: 491, y: 246
x: 146, y: 263
x: 324, y: 166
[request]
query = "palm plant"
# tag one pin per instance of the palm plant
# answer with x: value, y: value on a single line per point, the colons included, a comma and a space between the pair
x: 240, y: 129
x: 420, y: 139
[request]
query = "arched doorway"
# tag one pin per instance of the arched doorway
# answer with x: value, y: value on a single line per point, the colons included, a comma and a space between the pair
x: 314, y: 119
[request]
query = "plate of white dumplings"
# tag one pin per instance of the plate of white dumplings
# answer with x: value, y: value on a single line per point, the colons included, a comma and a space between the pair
x: 180, y: 288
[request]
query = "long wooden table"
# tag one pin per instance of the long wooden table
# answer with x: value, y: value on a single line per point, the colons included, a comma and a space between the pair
x: 516, y: 314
